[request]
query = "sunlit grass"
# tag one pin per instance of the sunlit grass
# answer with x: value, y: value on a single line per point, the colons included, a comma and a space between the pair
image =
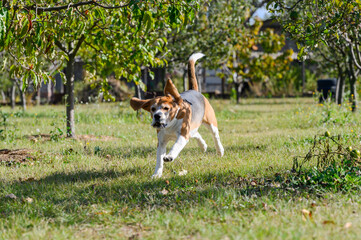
x: 101, y: 188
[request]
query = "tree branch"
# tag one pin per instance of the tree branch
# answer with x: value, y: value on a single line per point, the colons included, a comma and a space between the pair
x: 70, y: 5
x: 61, y: 46
x: 75, y: 50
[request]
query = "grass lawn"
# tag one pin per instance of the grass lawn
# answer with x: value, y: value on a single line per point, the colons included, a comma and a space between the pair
x: 99, y: 185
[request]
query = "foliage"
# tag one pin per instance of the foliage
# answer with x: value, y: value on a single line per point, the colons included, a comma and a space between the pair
x: 269, y: 68
x: 329, y: 28
x: 114, y: 34
x: 335, y: 164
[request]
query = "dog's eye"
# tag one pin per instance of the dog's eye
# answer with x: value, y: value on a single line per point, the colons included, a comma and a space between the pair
x: 153, y: 109
x: 166, y: 108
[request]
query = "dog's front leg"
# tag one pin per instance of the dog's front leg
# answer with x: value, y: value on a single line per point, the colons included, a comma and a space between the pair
x: 176, y: 149
x: 161, y: 151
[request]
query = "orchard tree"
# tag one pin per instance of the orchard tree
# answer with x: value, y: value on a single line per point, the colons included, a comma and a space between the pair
x: 267, y: 69
x: 335, y: 24
x: 114, y: 36
x: 214, y: 31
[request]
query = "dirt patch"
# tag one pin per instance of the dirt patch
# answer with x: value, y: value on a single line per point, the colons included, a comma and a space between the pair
x: 48, y: 137
x: 15, y: 156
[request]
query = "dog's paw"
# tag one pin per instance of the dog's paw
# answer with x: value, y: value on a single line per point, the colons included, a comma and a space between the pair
x: 204, y: 148
x: 156, y: 175
x: 220, y: 151
x: 168, y: 158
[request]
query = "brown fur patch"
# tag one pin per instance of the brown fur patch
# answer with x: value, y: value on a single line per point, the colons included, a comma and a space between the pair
x: 209, y: 115
x: 137, y: 104
x: 172, y: 90
x: 192, y: 80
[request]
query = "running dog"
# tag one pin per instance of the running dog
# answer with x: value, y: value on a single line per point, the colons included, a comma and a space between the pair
x: 178, y: 117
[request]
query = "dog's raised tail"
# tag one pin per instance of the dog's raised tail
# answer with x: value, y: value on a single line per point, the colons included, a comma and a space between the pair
x: 192, y: 79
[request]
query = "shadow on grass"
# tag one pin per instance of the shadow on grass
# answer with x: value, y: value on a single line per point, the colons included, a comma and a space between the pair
x: 73, y: 195
x: 143, y: 152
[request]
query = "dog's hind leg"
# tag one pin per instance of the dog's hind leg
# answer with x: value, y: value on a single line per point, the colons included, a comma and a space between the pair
x: 201, y: 143
x: 210, y: 121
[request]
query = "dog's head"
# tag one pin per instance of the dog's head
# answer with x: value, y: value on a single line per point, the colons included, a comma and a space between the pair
x: 162, y: 109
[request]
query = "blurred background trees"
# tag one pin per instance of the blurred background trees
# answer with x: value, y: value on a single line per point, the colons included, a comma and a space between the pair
x: 329, y: 31
x: 126, y: 40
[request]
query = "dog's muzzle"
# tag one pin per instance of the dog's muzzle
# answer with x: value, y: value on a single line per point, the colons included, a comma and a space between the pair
x: 159, y: 125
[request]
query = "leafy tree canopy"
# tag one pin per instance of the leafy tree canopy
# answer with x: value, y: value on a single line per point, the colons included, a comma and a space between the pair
x: 116, y: 35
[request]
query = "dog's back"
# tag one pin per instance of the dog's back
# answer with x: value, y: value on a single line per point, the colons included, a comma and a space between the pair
x: 196, y: 100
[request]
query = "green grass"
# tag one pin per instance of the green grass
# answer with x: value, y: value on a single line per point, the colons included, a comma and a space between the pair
x: 101, y: 188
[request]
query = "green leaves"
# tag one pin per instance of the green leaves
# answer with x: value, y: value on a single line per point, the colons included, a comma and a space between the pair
x: 3, y: 25
x: 119, y: 40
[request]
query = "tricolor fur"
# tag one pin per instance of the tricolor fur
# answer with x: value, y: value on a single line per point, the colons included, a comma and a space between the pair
x: 178, y: 117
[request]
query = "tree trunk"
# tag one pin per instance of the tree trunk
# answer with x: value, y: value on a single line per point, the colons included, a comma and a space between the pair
x: 185, y: 79
x: 353, y: 96
x: 22, y: 95
x: 223, y: 87
x: 49, y: 92
x: 340, y: 89
x: 70, y: 100
x: 238, y: 94
x: 38, y: 96
x: 13, y: 96
x: 138, y: 94
x: 353, y: 90
x: 303, y: 78
x: 3, y: 96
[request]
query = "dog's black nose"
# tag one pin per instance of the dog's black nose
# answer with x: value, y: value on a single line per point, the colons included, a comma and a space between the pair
x: 156, y: 116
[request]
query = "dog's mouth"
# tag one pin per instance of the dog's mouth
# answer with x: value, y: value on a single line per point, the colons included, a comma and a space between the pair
x: 159, y: 125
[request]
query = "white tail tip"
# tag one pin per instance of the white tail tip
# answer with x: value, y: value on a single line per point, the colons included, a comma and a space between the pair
x: 195, y: 56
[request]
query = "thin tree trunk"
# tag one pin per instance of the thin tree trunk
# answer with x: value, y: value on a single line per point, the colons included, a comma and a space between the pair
x: 70, y: 100
x: 353, y: 96
x: 13, y: 96
x: 138, y: 94
x: 49, y: 92
x: 238, y: 95
x: 340, y: 89
x: 223, y: 87
x: 22, y: 95
x: 352, y: 79
x: 303, y: 78
x: 185, y: 79
x: 3, y: 96
x: 38, y: 96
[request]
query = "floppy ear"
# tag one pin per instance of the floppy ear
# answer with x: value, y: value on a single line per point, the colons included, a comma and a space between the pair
x: 137, y: 103
x: 172, y: 90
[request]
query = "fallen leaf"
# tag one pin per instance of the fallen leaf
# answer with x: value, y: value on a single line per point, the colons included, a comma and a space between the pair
x: 30, y: 179
x: 164, y: 191
x: 347, y: 225
x: 11, y: 196
x: 328, y: 222
x: 182, y: 173
x: 306, y: 214
x: 265, y: 206
x: 28, y: 200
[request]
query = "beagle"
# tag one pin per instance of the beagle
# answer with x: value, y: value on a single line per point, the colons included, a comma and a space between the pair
x: 178, y: 117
